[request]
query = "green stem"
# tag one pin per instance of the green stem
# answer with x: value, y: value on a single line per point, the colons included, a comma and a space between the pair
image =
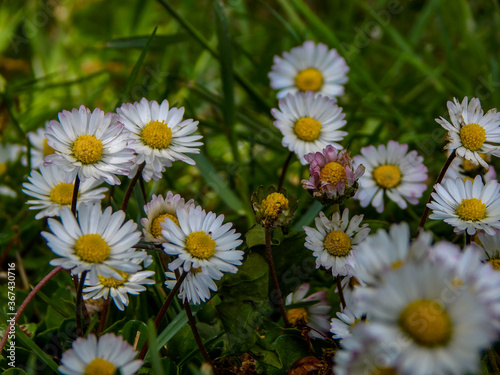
x: 196, y: 334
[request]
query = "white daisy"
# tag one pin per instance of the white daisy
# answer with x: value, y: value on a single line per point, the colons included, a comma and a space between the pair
x: 201, y: 241
x: 90, y: 145
x: 53, y: 190
x: 334, y: 242
x: 156, y: 211
x: 159, y: 135
x: 471, y: 132
x: 130, y: 283
x: 384, y: 251
x: 342, y: 327
x: 314, y: 316
x: 393, y: 171
x: 465, y: 169
x: 9, y: 153
x: 309, y: 67
x: 309, y: 123
x: 39, y: 146
x: 467, y: 205
x: 98, y: 242
x: 109, y: 354
x: 435, y: 327
x: 490, y: 248
x: 196, y: 286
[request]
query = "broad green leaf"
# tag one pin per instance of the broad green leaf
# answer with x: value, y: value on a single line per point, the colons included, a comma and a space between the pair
x: 129, y: 332
x: 308, y: 218
x: 290, y: 346
x: 255, y: 236
x: 27, y: 342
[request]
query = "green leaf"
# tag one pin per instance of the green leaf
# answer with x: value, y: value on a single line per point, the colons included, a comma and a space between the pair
x: 129, y: 332
x: 307, y: 218
x: 255, y: 236
x: 158, y: 42
x: 27, y: 342
x: 155, y: 354
x: 14, y: 371
x: 66, y: 332
x: 181, y: 344
x: 290, y: 346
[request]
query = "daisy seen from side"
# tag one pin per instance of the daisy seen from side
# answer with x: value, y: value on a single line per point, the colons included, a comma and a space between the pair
x: 39, y: 146
x: 196, y: 286
x: 467, y: 205
x: 309, y: 67
x: 309, y: 123
x: 90, y: 145
x: 393, y: 171
x: 159, y: 135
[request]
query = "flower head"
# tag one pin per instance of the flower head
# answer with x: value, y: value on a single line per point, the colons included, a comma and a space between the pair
x: 90, y: 145
x: 333, y: 178
x: 309, y: 67
x: 159, y: 135
x: 393, y: 171
x: 40, y: 147
x: 471, y: 132
x: 309, y: 123
x: 272, y: 209
x: 108, y: 355
x: 196, y: 286
x: 467, y: 205
x: 98, y: 242
x: 53, y: 190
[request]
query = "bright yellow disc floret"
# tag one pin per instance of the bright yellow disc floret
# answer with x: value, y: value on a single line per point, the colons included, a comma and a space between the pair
x: 472, y: 136
x: 157, y: 134
x: 92, y: 248
x: 471, y: 210
x: 87, y: 149
x: 387, y: 176
x: 309, y: 79
x: 337, y: 243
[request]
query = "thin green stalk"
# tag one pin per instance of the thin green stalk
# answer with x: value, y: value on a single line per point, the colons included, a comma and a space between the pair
x: 196, y: 334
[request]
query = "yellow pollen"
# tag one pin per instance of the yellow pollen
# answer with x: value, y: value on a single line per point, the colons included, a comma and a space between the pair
x: 273, y: 205
x: 333, y: 172
x: 384, y: 371
x: 195, y: 270
x: 47, y: 150
x: 200, y: 245
x: 307, y: 129
x: 357, y: 320
x: 472, y: 136
x: 465, y: 179
x: 111, y: 282
x: 100, y: 366
x: 156, y: 227
x: 495, y: 263
x: 427, y: 323
x: 92, y: 248
x: 157, y: 134
x: 62, y: 193
x: 471, y: 210
x: 387, y: 176
x: 397, y: 264
x: 338, y: 243
x: 3, y: 168
x: 87, y: 149
x: 309, y: 79
x: 295, y: 315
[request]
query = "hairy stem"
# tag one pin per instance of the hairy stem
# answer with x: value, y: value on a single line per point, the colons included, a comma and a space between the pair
x: 196, y: 334
x: 283, y: 171
x: 131, y: 187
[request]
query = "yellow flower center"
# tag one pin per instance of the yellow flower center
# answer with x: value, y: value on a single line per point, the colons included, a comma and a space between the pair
x: 307, y: 129
x: 62, y: 193
x: 273, y: 205
x: 397, y: 264
x: 495, y: 263
x: 333, y: 172
x: 472, y: 136
x: 3, y: 168
x: 471, y: 210
x: 157, y: 134
x: 294, y: 315
x: 47, y: 150
x: 100, y: 366
x: 465, y: 179
x: 387, y: 176
x: 111, y: 282
x: 338, y: 243
x: 427, y: 323
x: 200, y: 245
x: 87, y: 149
x: 195, y: 270
x: 92, y: 248
x: 309, y: 79
x: 156, y: 227
x: 384, y: 371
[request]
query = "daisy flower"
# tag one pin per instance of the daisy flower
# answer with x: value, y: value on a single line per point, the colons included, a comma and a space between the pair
x: 490, y: 248
x: 272, y: 209
x: 201, y: 241
x: 467, y: 205
x: 156, y: 211
x: 465, y: 169
x: 118, y: 289
x: 342, y: 327
x: 334, y: 242
x: 310, y: 67
x: 8, y: 153
x: 90, y: 145
x: 314, y: 316
x: 309, y: 123
x: 435, y: 327
x: 333, y: 178
x: 159, y: 134
x: 98, y: 242
x: 53, y: 190
x: 108, y: 354
x: 384, y: 251
x: 471, y: 132
x: 40, y: 147
x: 196, y: 286
x: 391, y: 170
